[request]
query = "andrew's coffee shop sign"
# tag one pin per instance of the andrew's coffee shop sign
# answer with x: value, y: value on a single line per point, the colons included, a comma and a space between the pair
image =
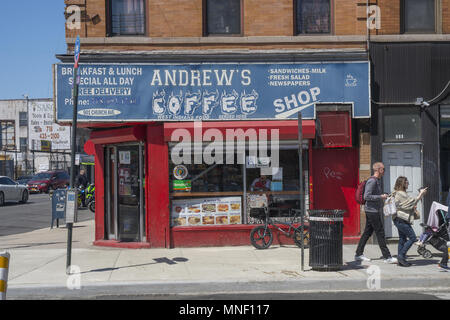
x: 166, y: 92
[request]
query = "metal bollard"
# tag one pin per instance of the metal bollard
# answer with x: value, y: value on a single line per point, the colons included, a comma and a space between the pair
x: 4, y: 265
x: 448, y: 249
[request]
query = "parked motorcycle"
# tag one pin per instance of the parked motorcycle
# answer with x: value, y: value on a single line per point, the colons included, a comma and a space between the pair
x: 90, y: 197
x: 81, y: 194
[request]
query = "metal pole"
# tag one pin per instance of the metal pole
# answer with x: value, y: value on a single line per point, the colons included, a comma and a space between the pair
x: 72, y: 163
x: 300, y: 168
x: 4, y: 268
x: 28, y: 137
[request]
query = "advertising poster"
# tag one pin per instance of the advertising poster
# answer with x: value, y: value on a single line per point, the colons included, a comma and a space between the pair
x: 124, y: 182
x: 43, y: 131
x: 206, y: 211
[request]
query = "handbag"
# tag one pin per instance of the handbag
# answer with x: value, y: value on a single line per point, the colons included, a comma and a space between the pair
x: 416, y: 214
x: 389, y: 207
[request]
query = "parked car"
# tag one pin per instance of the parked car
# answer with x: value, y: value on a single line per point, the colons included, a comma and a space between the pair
x: 12, y: 191
x: 48, y: 180
x: 24, y: 179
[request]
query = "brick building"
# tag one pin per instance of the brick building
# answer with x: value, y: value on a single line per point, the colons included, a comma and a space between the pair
x: 317, y: 56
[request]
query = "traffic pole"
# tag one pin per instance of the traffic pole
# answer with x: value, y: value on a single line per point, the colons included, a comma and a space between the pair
x: 300, y: 168
x: 73, y: 145
x: 4, y: 267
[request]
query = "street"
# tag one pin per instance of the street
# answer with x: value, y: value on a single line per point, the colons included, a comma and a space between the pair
x: 16, y: 218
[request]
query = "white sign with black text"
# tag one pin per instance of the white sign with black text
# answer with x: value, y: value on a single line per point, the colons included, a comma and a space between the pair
x: 42, y: 127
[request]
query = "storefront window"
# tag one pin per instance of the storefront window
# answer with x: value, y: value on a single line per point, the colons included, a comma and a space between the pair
x: 282, y: 185
x: 213, y: 194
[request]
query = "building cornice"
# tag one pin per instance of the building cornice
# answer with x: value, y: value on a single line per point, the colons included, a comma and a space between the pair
x: 211, y: 56
x: 217, y: 40
x: 411, y: 38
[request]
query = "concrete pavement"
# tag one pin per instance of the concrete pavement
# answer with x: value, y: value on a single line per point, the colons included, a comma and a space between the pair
x: 38, y: 260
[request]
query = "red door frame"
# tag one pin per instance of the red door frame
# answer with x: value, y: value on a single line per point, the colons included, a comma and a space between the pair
x: 100, y: 139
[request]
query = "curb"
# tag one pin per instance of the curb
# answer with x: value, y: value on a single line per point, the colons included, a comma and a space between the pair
x: 93, y: 290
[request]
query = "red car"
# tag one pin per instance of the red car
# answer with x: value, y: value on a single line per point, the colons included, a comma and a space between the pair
x: 48, y: 180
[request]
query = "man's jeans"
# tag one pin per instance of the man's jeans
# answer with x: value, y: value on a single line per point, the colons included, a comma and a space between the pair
x: 373, y: 223
x: 407, y: 237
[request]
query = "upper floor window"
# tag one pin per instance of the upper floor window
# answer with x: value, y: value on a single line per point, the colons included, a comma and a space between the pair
x: 312, y: 16
x: 23, y: 119
x: 419, y: 16
x: 23, y: 144
x: 127, y: 17
x: 223, y: 17
x: 7, y: 135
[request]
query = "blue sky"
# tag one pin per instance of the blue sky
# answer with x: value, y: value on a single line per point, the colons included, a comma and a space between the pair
x: 31, y: 34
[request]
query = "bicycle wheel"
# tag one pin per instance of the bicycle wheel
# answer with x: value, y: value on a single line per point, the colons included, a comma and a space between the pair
x: 298, y: 237
x: 261, y: 237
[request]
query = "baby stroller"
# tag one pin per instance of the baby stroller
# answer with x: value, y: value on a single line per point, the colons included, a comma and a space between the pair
x: 438, y: 238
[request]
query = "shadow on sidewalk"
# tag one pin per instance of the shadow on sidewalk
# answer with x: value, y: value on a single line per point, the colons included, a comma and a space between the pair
x: 157, y: 260
x: 424, y: 262
x: 353, y: 265
x: 31, y: 245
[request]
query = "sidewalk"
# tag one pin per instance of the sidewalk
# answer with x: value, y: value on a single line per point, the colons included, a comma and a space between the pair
x: 38, y: 260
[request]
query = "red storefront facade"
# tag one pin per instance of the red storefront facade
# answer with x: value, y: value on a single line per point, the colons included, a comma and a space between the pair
x: 331, y: 175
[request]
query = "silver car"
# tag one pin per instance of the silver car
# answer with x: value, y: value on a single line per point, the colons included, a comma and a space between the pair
x: 12, y: 191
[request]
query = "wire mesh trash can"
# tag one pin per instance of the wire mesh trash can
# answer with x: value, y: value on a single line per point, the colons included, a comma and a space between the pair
x: 326, y: 233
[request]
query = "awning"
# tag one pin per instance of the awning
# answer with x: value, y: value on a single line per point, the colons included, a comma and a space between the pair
x: 136, y: 133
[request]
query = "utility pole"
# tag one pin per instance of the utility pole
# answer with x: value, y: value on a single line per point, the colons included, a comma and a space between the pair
x: 28, y: 135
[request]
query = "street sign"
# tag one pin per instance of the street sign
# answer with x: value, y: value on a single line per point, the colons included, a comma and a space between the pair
x: 71, y: 206
x: 76, y: 55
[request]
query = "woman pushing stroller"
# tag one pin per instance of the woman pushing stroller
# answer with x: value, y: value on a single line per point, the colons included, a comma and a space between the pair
x: 404, y: 218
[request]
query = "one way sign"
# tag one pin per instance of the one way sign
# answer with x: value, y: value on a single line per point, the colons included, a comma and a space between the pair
x: 76, y: 55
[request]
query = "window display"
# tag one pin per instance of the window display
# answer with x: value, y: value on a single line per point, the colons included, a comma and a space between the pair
x: 206, y: 211
x: 204, y: 194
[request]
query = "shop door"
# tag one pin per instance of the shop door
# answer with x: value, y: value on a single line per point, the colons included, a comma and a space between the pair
x: 402, y: 160
x: 335, y: 177
x: 125, y: 190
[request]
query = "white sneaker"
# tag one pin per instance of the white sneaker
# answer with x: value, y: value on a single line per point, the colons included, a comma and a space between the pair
x: 391, y: 260
x: 362, y: 258
x: 418, y: 243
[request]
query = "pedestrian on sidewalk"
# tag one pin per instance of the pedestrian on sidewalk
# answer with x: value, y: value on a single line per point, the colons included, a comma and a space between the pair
x: 374, y: 203
x: 82, y: 182
x: 404, y: 218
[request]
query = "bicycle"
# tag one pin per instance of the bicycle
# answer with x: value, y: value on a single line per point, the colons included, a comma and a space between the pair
x: 261, y: 237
